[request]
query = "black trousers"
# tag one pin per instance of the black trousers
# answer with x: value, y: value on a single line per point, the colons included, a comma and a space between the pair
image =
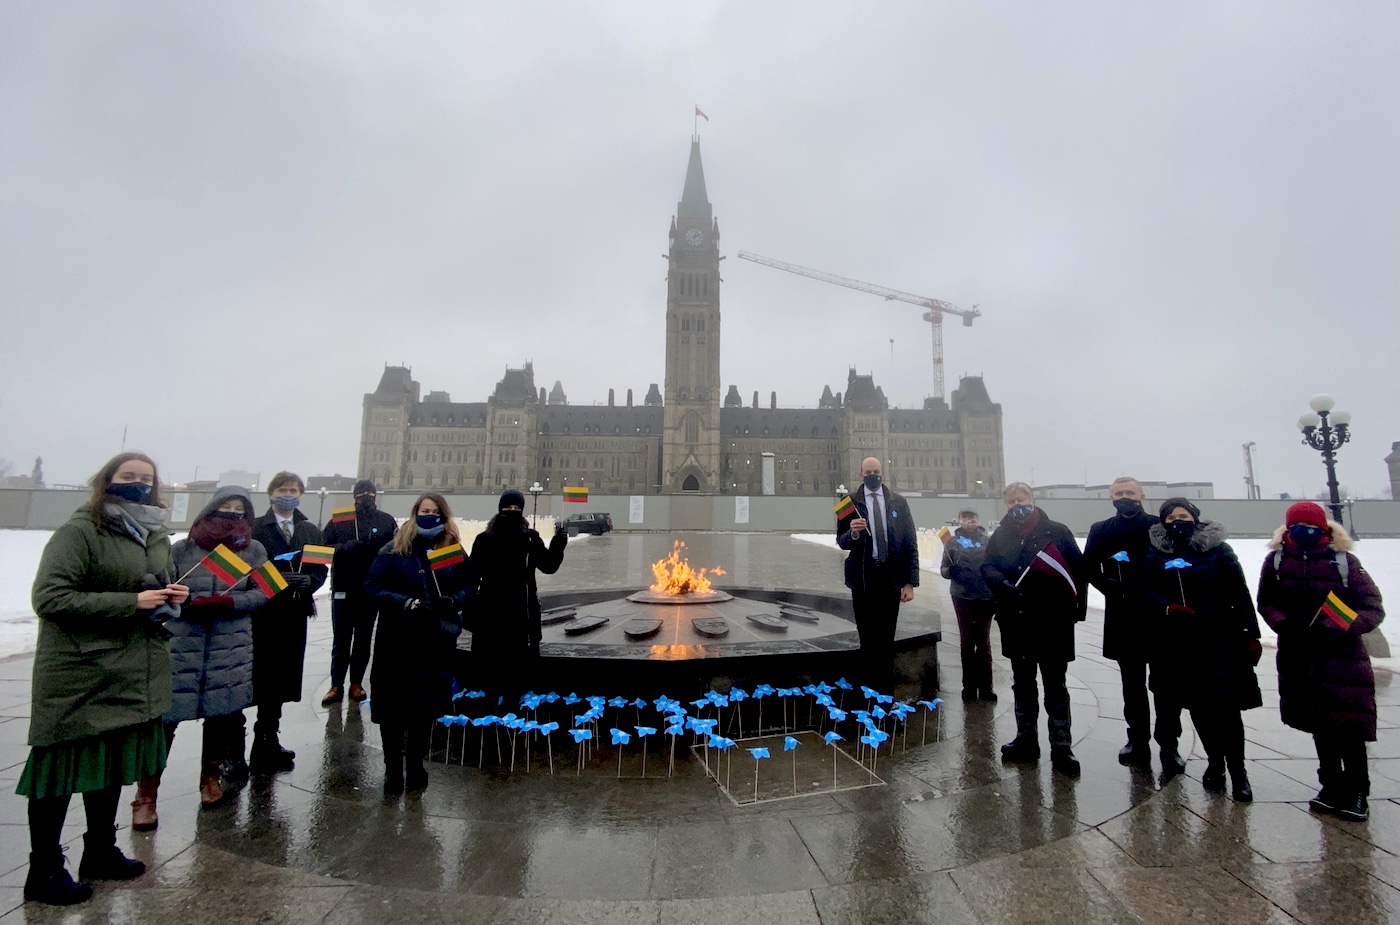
x: 405, y: 742
x: 1221, y: 731
x: 352, y: 624
x: 1136, y: 712
x: 46, y: 815
x: 877, y: 613
x: 975, y: 630
x: 1027, y: 697
x: 1341, y: 763
x: 223, y: 737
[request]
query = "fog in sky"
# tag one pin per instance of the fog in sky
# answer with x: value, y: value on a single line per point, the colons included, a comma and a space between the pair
x: 218, y: 221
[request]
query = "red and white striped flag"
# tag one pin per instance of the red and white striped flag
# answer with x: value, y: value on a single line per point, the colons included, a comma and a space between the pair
x: 1051, y: 562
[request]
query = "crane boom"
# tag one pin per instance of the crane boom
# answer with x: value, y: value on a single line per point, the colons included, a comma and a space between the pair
x: 937, y: 308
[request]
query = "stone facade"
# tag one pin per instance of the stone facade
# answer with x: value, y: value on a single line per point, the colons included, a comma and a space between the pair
x: 681, y: 438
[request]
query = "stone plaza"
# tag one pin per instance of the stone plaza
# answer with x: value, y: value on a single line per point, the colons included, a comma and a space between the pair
x: 952, y: 836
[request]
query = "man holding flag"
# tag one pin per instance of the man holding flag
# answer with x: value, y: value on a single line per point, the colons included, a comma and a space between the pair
x: 1035, y: 571
x: 874, y: 526
x: 357, y: 534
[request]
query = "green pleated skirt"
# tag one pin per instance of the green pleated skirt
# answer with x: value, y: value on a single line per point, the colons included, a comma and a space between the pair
x: 112, y: 759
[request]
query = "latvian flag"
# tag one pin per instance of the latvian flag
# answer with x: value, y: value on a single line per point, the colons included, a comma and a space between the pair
x: 576, y: 494
x: 269, y: 580
x: 225, y: 565
x: 1339, y: 613
x: 446, y: 556
x: 1051, y: 562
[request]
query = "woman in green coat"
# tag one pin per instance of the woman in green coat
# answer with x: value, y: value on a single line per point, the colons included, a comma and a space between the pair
x: 101, y: 674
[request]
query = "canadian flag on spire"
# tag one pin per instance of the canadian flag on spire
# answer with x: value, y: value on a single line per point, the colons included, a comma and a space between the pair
x: 701, y: 114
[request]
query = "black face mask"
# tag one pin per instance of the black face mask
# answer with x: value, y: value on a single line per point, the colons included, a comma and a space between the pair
x: 1181, y: 531
x: 1127, y: 507
x: 227, y: 515
x: 365, y: 505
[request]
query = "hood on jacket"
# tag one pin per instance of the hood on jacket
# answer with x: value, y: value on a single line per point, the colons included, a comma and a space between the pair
x: 1341, y: 539
x: 1209, y: 534
x: 222, y: 495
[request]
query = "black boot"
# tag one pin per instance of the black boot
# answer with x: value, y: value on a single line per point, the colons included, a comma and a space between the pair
x: 969, y: 694
x: 417, y: 776
x: 1353, y: 808
x: 393, y: 776
x: 49, y: 882
x: 1327, y: 800
x: 1062, y: 759
x: 986, y: 695
x: 103, y: 860
x: 1172, y: 763
x: 1136, y: 754
x: 1021, y: 748
x: 269, y: 757
x: 1214, y: 777
x: 1239, y: 782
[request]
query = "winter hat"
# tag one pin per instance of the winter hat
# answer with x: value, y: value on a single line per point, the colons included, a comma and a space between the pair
x: 511, y: 496
x: 1306, y: 512
x: 967, y: 509
x: 365, y: 487
x: 1172, y: 504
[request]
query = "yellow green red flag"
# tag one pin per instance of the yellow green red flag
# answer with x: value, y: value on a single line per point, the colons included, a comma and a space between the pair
x: 343, y: 515
x: 945, y: 534
x: 446, y: 556
x: 1338, y: 612
x: 226, y: 565
x: 844, y: 508
x: 577, y: 494
x: 317, y: 555
x: 269, y: 580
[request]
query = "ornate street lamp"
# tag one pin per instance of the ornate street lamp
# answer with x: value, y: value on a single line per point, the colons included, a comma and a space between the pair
x: 535, y: 491
x: 320, y: 514
x: 1326, y: 430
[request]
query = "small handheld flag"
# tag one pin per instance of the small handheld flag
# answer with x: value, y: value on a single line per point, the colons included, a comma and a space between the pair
x: 576, y: 494
x: 446, y: 556
x: 1120, y: 556
x: 1338, y: 612
x: 1050, y: 561
x: 269, y: 579
x: 845, y: 509
x: 343, y: 515
x: 226, y: 565
x: 317, y: 555
x: 945, y: 534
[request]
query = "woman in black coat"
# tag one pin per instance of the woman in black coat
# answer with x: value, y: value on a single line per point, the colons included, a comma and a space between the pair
x: 1207, y: 635
x: 506, y: 616
x: 420, y: 618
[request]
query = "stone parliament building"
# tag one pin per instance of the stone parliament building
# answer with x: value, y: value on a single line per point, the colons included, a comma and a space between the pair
x: 687, y: 437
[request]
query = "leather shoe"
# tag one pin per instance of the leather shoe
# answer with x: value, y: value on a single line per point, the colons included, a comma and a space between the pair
x: 332, y: 696
x: 357, y: 693
x: 269, y: 757
x: 1241, y: 790
x: 211, y: 791
x: 1172, y: 764
x: 1135, y: 754
x: 1021, y: 749
x: 1214, y: 777
x: 1063, y: 760
x: 143, y: 808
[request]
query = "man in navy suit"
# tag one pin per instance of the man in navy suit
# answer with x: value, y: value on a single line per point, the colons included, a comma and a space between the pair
x: 882, y: 569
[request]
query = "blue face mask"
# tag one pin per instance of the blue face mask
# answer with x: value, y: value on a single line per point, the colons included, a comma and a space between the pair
x: 872, y: 481
x: 1019, y: 511
x: 429, y: 525
x: 286, y: 502
x: 135, y: 492
x: 1304, y: 535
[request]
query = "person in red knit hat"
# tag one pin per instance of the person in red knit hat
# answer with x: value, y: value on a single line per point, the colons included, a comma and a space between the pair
x: 1316, y: 595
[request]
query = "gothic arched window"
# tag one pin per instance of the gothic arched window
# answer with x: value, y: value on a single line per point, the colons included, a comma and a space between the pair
x: 692, y: 428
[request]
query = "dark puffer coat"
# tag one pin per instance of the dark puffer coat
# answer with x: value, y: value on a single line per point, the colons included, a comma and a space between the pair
x: 1325, y: 683
x: 1206, y: 658
x: 1037, y: 618
x: 279, y: 629
x: 211, y: 659
x: 1125, y: 618
x: 962, y: 564
x: 411, y: 677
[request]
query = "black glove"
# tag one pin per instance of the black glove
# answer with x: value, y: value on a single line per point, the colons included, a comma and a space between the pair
x: 560, y: 529
x: 1113, y: 589
x: 298, y: 581
x: 439, y: 607
x: 1009, y: 592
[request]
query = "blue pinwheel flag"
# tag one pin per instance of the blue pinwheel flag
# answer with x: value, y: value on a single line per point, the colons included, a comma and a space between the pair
x: 824, y: 687
x: 843, y: 684
x: 884, y: 698
x: 581, y: 734
x: 551, y: 697
x: 763, y: 690
x: 446, y: 720
x: 825, y: 700
x: 758, y: 753
x: 597, y: 702
x: 619, y: 737
x: 871, y: 740
x: 879, y: 735
x: 1176, y: 563
x: 832, y: 737
x: 287, y: 556
x: 618, y: 702
x: 644, y: 731
x: 675, y: 729
x: 725, y: 744
x: 933, y: 704
x: 529, y: 726
x: 571, y: 698
x: 662, y: 703
x: 700, y: 704
x: 878, y: 713
x: 868, y: 692
x: 1120, y: 556
x: 547, y: 728
x: 581, y: 718
x: 901, y: 710
x: 789, y: 743
x: 737, y: 694
x: 836, y: 714
x: 966, y: 543
x: 639, y: 703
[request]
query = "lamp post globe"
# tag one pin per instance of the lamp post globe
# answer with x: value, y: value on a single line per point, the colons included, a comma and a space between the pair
x: 535, y: 491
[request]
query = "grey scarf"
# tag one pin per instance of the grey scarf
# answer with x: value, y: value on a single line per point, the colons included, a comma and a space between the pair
x: 139, y: 519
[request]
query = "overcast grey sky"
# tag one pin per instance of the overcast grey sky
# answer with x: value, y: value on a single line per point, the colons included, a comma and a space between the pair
x: 219, y: 221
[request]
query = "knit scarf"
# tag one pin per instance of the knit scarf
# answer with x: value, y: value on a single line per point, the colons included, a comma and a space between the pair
x: 138, y: 519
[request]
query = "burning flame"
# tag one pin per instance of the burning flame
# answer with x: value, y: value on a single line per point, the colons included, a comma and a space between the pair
x: 675, y: 576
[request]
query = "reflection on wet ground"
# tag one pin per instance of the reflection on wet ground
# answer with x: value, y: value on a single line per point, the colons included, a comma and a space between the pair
x: 952, y: 836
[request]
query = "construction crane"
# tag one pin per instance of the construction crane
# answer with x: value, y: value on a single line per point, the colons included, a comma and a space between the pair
x: 937, y: 308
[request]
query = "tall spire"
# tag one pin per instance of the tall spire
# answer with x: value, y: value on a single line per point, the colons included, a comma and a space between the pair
x: 695, y: 203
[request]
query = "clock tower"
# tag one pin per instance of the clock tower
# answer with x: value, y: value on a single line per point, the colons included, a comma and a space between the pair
x: 690, y: 452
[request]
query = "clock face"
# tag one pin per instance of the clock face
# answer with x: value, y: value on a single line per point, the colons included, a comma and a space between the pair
x: 695, y: 237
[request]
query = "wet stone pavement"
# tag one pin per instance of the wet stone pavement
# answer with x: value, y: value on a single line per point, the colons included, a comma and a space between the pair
x: 952, y: 837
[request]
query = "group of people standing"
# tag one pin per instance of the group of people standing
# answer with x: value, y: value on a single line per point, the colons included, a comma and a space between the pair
x: 1181, y: 622
x: 137, y: 635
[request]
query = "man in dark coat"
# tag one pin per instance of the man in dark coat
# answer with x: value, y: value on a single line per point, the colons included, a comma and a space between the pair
x: 1035, y: 570
x: 353, y: 611
x: 882, y: 569
x: 1113, y: 557
x: 279, y: 629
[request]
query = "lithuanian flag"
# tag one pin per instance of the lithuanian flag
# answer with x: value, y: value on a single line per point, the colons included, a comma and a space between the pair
x: 1338, y: 612
x: 446, y: 556
x: 578, y: 494
x: 226, y: 565
x: 945, y: 534
x: 317, y: 555
x: 269, y: 579
x: 844, y: 509
x: 343, y: 515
